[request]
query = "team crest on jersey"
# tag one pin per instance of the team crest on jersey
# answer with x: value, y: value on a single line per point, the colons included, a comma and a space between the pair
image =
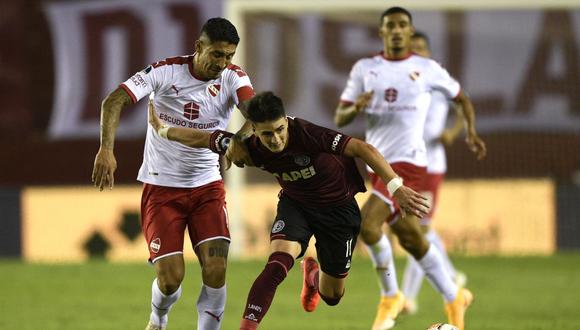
x: 391, y: 95
x: 278, y: 226
x: 301, y: 160
x: 191, y: 110
x: 214, y: 89
x: 155, y: 245
x: 414, y: 75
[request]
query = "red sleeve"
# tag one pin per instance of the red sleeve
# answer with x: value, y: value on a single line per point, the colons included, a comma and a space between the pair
x: 245, y: 93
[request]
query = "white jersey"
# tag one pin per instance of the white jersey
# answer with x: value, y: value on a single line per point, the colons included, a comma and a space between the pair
x: 182, y: 100
x: 434, y: 126
x: 402, y: 94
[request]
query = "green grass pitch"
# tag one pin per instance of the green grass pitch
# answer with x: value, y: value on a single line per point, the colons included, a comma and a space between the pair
x: 510, y: 293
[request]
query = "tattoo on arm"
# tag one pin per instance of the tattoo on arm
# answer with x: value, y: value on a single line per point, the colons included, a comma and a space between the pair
x: 110, y: 113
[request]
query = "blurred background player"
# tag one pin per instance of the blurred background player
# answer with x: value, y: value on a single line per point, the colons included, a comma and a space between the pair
x: 436, y: 138
x: 394, y: 90
x: 315, y: 168
x: 182, y: 187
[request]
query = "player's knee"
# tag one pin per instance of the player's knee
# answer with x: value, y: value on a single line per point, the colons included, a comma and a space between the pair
x: 169, y: 282
x: 370, y: 234
x: 331, y: 301
x: 414, y: 243
x: 214, y: 272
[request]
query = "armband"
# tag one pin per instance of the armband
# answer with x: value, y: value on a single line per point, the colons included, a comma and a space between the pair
x: 219, y: 141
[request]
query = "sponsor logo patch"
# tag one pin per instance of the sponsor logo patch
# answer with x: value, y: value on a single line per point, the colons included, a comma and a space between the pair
x: 391, y: 95
x: 302, y: 160
x: 155, y: 245
x: 278, y: 226
x: 191, y: 110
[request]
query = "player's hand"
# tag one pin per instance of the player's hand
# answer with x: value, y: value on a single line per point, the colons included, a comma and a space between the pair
x: 237, y: 153
x: 411, y: 202
x: 476, y: 145
x: 104, y: 169
x: 153, y: 119
x: 363, y: 101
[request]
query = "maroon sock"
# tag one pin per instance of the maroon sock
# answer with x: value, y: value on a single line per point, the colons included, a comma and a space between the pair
x: 330, y: 301
x: 264, y: 287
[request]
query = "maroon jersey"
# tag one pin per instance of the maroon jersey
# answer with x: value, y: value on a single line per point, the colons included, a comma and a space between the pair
x: 312, y: 169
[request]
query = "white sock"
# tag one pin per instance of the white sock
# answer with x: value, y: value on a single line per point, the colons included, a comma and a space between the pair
x: 434, y: 238
x: 161, y: 304
x: 412, y: 278
x: 432, y: 265
x: 210, y: 307
x: 382, y: 256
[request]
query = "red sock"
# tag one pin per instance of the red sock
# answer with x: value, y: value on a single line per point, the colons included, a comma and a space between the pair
x: 264, y: 287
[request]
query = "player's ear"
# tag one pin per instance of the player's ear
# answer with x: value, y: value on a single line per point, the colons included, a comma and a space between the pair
x: 198, y: 45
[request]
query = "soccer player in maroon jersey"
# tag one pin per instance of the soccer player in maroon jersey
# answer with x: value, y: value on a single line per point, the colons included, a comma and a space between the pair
x: 182, y: 186
x: 316, y: 169
x: 393, y: 90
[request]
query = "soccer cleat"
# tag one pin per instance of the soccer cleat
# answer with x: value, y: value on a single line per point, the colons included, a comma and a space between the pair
x: 387, y: 311
x: 455, y: 310
x: 152, y: 326
x: 309, y: 297
x: 410, y: 307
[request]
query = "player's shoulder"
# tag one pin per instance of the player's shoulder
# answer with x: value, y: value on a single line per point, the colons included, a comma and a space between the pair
x: 427, y: 62
x: 369, y: 60
x: 173, y: 61
x: 234, y: 69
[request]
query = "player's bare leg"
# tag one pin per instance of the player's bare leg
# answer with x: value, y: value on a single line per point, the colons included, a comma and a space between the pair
x: 374, y: 213
x: 211, y: 303
x: 165, y: 290
x: 317, y: 284
x: 280, y: 261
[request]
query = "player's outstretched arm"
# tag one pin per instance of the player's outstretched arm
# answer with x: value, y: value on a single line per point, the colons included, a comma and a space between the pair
x: 475, y: 143
x: 409, y: 200
x: 188, y: 136
x: 346, y: 112
x: 105, y: 162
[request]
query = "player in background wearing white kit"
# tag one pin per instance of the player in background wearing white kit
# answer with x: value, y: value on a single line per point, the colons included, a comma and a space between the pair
x: 436, y: 137
x: 182, y: 187
x: 394, y: 91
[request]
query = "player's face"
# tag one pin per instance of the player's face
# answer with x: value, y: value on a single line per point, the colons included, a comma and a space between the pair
x: 419, y: 46
x: 273, y: 134
x: 212, y: 57
x: 396, y: 31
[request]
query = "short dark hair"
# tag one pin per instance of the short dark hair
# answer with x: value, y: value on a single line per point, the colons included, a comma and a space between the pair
x: 220, y: 29
x: 396, y: 10
x: 421, y: 35
x: 265, y: 107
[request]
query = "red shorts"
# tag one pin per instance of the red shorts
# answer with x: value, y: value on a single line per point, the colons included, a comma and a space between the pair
x: 430, y: 190
x: 413, y: 177
x: 166, y: 212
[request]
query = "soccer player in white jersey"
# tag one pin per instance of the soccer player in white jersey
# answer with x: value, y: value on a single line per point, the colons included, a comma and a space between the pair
x: 436, y: 137
x: 393, y: 89
x: 182, y: 186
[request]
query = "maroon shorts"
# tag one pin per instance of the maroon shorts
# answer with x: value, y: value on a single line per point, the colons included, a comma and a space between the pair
x: 166, y: 212
x: 430, y: 190
x: 413, y: 177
